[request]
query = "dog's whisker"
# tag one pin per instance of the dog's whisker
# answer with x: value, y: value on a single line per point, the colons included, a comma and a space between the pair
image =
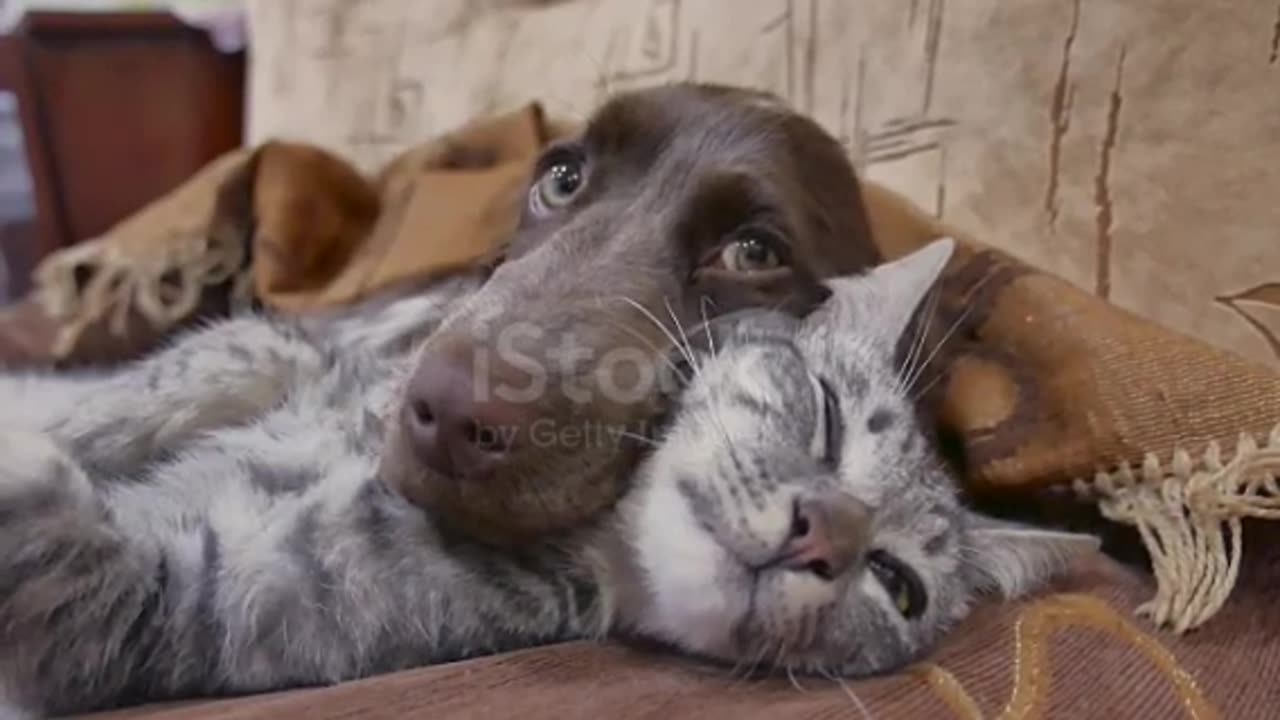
x: 706, y: 324
x: 665, y: 330
x: 680, y: 329
x: 684, y: 377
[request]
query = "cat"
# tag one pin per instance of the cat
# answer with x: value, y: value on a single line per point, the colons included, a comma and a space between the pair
x: 211, y: 520
x: 795, y: 512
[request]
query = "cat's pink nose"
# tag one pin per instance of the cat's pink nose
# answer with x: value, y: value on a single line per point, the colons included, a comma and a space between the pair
x: 829, y: 533
x: 456, y: 421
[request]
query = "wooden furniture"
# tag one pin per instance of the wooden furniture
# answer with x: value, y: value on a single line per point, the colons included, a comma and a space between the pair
x: 117, y: 108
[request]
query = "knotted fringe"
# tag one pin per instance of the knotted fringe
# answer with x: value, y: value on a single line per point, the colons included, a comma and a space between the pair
x: 156, y: 264
x: 1190, y: 517
x: 93, y: 281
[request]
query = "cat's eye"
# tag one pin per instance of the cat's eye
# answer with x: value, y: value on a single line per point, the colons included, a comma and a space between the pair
x: 751, y: 252
x: 832, y: 424
x: 558, y: 185
x: 900, y: 582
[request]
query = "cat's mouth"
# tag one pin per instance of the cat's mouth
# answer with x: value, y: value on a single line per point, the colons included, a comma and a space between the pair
x: 761, y: 638
x: 783, y: 615
x: 791, y: 621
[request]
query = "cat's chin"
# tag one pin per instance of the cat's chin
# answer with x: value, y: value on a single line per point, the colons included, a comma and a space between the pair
x: 702, y: 620
x: 732, y: 619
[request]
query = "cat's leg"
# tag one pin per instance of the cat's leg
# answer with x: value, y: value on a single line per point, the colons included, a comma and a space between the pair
x: 224, y: 374
x: 112, y: 423
x: 77, y: 599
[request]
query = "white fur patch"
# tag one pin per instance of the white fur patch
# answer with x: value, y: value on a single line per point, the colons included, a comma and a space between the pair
x: 681, y: 562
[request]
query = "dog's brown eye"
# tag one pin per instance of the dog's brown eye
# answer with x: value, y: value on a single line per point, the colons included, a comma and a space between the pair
x: 557, y: 187
x: 750, y: 253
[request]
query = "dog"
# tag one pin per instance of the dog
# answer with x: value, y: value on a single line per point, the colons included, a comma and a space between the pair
x: 530, y: 403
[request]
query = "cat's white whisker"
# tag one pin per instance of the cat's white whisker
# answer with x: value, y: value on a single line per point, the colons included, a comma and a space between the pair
x: 764, y: 652
x: 922, y: 333
x: 964, y: 315
x: 791, y: 675
x: 857, y: 701
x: 738, y: 665
x: 742, y: 667
x: 748, y: 667
x: 920, y: 369
x: 784, y: 649
x: 927, y: 387
x: 810, y: 629
x: 917, y: 343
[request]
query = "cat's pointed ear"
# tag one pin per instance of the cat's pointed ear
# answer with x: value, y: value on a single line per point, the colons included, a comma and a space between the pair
x: 1010, y: 559
x: 885, y: 298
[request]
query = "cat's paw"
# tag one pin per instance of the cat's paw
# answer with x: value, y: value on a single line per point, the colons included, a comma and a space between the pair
x: 33, y: 464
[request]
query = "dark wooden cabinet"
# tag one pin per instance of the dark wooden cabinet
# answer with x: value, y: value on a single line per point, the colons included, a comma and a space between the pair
x: 116, y: 110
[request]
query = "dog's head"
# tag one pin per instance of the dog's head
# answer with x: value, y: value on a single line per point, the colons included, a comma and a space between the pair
x: 527, y: 410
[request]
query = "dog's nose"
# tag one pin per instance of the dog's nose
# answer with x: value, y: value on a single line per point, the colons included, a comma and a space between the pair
x: 456, y: 424
x: 828, y: 535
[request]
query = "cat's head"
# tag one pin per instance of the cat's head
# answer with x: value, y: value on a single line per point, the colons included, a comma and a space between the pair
x: 794, y: 513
